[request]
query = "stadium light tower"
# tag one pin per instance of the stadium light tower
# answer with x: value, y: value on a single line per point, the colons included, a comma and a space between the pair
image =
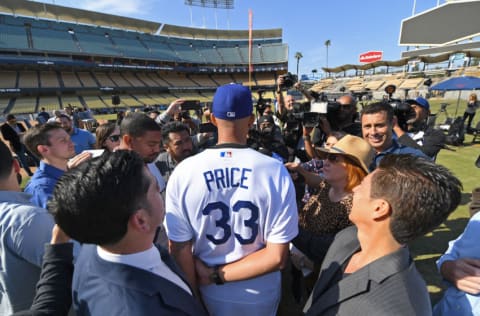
x: 216, y: 4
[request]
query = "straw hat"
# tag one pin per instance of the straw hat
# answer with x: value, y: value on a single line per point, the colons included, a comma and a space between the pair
x: 352, y: 147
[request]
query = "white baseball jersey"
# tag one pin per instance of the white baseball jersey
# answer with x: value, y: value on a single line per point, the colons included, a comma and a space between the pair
x: 230, y: 201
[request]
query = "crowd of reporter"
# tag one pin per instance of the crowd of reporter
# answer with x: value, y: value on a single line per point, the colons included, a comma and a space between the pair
x: 325, y: 175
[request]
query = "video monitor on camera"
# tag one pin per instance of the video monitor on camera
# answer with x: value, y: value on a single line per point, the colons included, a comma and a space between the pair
x: 190, y: 105
x: 319, y: 107
x: 207, y: 128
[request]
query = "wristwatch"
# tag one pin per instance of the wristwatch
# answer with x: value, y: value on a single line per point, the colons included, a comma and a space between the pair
x: 215, y: 277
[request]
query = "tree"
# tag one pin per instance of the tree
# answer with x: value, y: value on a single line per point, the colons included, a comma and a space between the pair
x: 298, y: 56
x: 314, y: 71
x: 327, y: 43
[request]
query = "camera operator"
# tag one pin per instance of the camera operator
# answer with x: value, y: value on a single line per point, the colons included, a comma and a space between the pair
x: 292, y: 128
x: 344, y: 118
x: 188, y: 120
x: 264, y: 107
x: 417, y: 133
x: 266, y: 139
x: 341, y: 115
x: 285, y: 104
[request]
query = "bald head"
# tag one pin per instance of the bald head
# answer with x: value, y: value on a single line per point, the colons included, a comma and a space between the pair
x: 348, y: 108
x: 289, y: 101
x: 348, y: 100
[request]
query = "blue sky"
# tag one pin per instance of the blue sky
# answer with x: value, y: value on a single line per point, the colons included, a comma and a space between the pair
x: 352, y: 26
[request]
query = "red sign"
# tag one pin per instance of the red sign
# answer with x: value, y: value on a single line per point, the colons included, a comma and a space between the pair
x: 370, y: 57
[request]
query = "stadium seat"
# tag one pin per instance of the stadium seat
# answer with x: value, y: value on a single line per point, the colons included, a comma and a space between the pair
x: 8, y: 79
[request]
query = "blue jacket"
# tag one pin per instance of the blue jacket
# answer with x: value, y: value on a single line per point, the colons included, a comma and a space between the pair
x: 42, y: 183
x: 455, y: 301
x: 396, y: 148
x: 82, y: 139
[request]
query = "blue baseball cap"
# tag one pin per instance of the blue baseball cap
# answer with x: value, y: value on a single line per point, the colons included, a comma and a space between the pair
x: 232, y: 102
x: 421, y: 102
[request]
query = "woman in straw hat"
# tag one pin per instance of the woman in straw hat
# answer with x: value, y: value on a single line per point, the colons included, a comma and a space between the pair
x: 344, y: 166
x: 315, y: 165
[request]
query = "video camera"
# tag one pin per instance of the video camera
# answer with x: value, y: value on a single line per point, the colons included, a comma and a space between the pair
x: 402, y: 110
x: 263, y: 139
x: 289, y: 80
x: 262, y: 103
x: 309, y: 113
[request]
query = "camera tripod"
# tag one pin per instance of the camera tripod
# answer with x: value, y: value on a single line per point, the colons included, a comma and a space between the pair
x: 446, y: 122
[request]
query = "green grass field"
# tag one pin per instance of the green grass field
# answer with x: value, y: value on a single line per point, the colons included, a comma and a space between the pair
x: 427, y: 249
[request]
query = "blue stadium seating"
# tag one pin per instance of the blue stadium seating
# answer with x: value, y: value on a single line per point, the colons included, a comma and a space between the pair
x: 54, y: 36
x: 50, y: 61
x: 96, y: 44
x: 52, y: 40
x: 13, y: 37
x: 131, y: 47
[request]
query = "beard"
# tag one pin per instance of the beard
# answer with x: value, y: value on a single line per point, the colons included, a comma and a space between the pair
x: 149, y: 159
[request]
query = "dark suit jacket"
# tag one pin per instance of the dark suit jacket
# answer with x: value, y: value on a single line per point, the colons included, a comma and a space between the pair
x: 433, y: 141
x: 53, y: 297
x: 390, y: 285
x: 105, y: 288
x: 11, y: 135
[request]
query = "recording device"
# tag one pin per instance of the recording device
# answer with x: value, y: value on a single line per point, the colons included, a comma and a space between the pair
x: 207, y: 128
x: 262, y: 102
x: 190, y: 105
x: 310, y: 113
x: 402, y: 109
x: 185, y: 115
x: 207, y: 106
x: 95, y: 152
x: 404, y: 113
x: 289, y: 80
x: 263, y: 140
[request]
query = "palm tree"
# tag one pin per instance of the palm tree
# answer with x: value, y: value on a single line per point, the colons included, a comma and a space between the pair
x: 314, y: 71
x: 327, y: 43
x: 298, y: 56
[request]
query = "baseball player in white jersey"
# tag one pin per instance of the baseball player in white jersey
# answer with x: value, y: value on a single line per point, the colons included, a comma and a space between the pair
x: 231, y: 213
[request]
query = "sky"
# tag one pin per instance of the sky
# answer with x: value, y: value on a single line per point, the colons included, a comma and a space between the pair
x: 352, y: 26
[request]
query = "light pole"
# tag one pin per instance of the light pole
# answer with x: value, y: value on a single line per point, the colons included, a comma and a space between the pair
x: 327, y: 43
x: 298, y: 56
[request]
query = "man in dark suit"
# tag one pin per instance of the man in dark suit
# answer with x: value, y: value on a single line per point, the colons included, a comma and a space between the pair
x: 115, y: 213
x: 368, y: 269
x: 13, y: 133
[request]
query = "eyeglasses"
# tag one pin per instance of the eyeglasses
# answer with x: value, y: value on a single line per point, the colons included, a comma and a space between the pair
x: 114, y: 138
x: 333, y: 158
x: 346, y: 106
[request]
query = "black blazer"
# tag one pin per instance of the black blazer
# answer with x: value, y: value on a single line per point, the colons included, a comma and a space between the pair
x: 11, y: 135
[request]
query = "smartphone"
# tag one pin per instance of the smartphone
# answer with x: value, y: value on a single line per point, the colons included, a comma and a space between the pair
x: 95, y: 152
x: 207, y: 128
x: 190, y: 105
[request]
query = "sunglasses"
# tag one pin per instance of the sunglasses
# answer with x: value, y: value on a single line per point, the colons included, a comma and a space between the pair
x: 333, y: 158
x: 114, y: 138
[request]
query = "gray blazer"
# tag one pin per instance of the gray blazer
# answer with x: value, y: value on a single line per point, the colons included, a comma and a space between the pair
x: 105, y: 288
x: 390, y: 285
